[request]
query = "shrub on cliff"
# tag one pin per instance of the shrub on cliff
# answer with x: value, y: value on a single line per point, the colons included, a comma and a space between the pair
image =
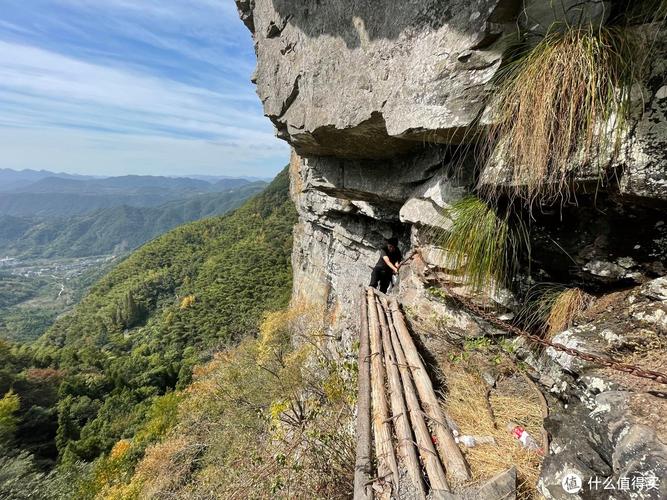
x: 484, y: 244
x: 265, y: 419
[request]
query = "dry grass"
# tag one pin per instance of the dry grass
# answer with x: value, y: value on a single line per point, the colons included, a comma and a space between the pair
x: 467, y: 404
x: 551, y: 308
x: 265, y: 419
x: 567, y: 306
x: 567, y: 99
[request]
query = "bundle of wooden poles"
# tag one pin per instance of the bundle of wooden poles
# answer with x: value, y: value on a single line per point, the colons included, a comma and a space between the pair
x: 410, y: 430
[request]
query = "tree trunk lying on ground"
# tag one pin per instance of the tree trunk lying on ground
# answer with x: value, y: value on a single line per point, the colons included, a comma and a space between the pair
x: 399, y: 411
x: 451, y: 455
x: 362, y: 467
x: 384, y: 447
x: 427, y: 451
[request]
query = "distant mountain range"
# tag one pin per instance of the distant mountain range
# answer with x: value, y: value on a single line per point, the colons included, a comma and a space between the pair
x: 216, y: 178
x: 53, y: 215
x: 115, y: 229
x: 127, y: 184
x: 30, y: 193
x: 15, y: 179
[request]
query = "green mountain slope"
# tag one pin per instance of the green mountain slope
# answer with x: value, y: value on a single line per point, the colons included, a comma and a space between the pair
x: 142, y: 327
x: 68, y: 204
x: 113, y: 229
x: 12, y: 228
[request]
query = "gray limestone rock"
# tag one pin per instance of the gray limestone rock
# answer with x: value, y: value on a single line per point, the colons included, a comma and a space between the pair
x: 608, y: 448
x: 539, y: 17
x: 612, y: 426
x: 644, y: 160
x: 656, y: 289
x: 502, y: 486
x: 362, y: 79
x: 386, y: 181
x: 638, y: 167
x: 428, y: 203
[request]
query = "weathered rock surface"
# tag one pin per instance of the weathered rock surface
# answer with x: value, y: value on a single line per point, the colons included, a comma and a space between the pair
x: 377, y: 97
x: 365, y: 79
x: 501, y: 486
x: 644, y: 157
x: 428, y: 203
x: 614, y: 426
x: 637, y: 167
x: 538, y: 17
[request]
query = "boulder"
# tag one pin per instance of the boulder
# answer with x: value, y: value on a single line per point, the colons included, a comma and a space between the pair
x: 428, y: 203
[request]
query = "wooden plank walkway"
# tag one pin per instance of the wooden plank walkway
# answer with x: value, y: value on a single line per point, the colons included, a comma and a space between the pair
x: 400, y: 423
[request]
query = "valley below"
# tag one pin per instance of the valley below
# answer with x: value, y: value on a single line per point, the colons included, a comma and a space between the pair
x: 70, y: 231
x: 34, y: 292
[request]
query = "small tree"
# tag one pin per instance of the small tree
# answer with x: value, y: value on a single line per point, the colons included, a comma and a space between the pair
x: 9, y: 405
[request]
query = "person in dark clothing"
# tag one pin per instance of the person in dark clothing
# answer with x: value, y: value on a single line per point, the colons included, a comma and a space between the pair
x: 387, y: 265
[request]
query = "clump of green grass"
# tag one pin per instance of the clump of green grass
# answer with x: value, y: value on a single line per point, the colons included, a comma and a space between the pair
x: 482, y: 243
x: 564, y: 102
x: 552, y: 308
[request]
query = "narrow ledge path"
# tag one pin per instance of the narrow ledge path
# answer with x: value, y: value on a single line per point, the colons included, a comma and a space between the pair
x: 405, y: 446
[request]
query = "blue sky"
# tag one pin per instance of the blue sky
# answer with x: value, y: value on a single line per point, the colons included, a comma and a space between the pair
x: 110, y: 87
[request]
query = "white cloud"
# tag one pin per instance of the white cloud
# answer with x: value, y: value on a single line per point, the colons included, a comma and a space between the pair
x: 38, y: 72
x: 45, y: 91
x: 132, y: 86
x: 100, y: 153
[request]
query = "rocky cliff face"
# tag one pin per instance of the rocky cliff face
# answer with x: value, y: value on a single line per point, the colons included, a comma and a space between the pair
x: 377, y: 99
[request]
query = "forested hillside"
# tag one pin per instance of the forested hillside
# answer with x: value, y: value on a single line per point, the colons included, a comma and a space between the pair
x: 115, y: 229
x: 105, y: 372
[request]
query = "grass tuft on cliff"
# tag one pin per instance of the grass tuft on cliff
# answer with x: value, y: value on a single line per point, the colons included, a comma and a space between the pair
x: 552, y: 308
x: 565, y: 101
x: 483, y: 243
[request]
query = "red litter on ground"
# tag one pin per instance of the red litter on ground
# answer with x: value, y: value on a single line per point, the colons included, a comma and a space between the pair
x: 524, y: 437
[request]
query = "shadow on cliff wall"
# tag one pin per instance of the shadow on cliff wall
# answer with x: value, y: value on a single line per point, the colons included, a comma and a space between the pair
x: 359, y: 21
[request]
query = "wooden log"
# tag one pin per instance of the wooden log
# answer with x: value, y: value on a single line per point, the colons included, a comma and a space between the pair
x: 384, y: 448
x: 427, y: 451
x: 451, y: 455
x: 406, y: 447
x: 362, y: 467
